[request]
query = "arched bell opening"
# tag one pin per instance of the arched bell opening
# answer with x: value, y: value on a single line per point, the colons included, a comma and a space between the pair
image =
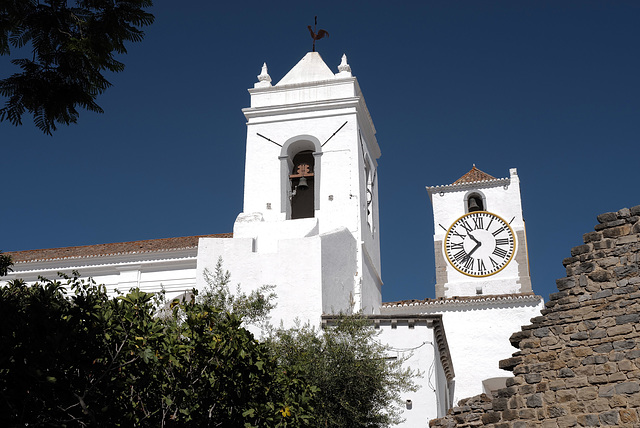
x: 302, y: 180
x: 474, y: 202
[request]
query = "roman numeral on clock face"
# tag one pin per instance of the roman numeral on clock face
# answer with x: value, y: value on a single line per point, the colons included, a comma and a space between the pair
x: 499, y: 252
x: 460, y: 255
x: 469, y: 263
x: 477, y: 223
x: 456, y: 246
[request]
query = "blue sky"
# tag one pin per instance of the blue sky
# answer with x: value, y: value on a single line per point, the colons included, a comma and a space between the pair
x: 548, y: 87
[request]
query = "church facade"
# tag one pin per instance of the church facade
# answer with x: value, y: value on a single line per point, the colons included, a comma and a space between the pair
x: 311, y: 189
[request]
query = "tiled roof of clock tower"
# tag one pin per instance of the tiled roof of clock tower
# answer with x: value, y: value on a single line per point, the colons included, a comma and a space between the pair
x: 474, y: 175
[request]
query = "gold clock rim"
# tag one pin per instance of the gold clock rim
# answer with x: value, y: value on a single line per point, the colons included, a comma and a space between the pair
x: 515, y: 244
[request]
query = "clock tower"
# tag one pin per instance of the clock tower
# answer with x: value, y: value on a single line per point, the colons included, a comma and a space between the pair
x: 479, y: 236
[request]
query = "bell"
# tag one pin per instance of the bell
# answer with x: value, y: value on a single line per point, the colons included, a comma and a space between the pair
x: 302, y: 184
x: 473, y: 205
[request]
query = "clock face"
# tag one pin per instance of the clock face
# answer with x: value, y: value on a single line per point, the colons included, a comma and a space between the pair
x: 479, y: 244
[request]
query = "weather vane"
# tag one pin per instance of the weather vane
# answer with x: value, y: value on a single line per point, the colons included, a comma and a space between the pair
x: 316, y: 36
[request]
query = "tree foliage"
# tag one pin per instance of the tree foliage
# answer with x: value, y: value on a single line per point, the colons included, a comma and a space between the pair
x: 253, y: 308
x: 74, y: 356
x: 359, y: 386
x: 72, y: 43
x: 87, y: 359
x: 5, y: 264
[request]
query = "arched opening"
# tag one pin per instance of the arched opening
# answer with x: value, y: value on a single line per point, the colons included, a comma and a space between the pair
x: 475, y: 203
x: 303, y: 185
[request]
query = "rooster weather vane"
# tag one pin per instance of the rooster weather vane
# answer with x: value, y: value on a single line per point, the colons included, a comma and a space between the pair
x: 316, y: 36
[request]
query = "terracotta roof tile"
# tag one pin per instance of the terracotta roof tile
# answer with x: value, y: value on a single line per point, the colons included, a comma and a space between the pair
x: 474, y: 175
x: 98, y: 250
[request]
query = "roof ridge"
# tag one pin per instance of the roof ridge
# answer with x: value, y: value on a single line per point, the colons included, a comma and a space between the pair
x: 111, y: 249
x: 474, y: 175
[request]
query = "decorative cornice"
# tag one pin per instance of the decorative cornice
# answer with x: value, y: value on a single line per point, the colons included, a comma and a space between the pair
x: 481, y: 300
x: 468, y: 185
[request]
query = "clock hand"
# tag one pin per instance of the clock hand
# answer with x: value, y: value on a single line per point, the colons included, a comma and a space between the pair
x: 474, y: 239
x: 471, y: 252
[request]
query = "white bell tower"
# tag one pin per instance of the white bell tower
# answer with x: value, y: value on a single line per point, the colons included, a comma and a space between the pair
x: 310, y: 223
x: 479, y: 236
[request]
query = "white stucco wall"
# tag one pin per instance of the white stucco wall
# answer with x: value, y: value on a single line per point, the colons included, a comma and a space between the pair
x: 478, y: 335
x: 171, y: 271
x: 419, y: 346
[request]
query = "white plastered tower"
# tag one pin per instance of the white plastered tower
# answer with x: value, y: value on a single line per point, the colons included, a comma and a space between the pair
x: 499, y: 197
x: 309, y: 225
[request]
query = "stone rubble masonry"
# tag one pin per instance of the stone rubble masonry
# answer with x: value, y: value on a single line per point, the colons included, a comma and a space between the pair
x: 578, y: 364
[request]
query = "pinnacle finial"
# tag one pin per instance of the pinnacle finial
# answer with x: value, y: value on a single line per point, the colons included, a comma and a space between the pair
x: 344, y: 68
x: 264, y: 79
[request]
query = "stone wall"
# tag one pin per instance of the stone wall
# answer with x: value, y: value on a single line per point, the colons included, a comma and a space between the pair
x: 578, y: 364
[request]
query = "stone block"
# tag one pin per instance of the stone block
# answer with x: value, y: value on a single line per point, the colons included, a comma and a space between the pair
x: 606, y: 391
x: 595, y: 359
x: 526, y: 414
x: 556, y: 384
x: 625, y: 271
x: 576, y: 382
x: 533, y: 377
x: 615, y: 223
x: 581, y: 249
x: 555, y: 411
x: 604, y: 244
x: 616, y: 377
x: 635, y: 210
x: 569, y: 260
x: 602, y: 294
x: 592, y: 237
x: 509, y: 363
x: 500, y: 404
x: 624, y: 344
x: 509, y: 415
x: 618, y: 401
x: 581, y: 335
x: 627, y: 239
x: 564, y: 396
x: 589, y: 420
x: 614, y: 232
x: 628, y: 416
x: 609, y: 418
x: 565, y: 283
x: 567, y: 421
x: 490, y: 418
x: 534, y: 400
x: 619, y: 330
x: 627, y: 388
x: 597, y: 379
x: 587, y: 393
x: 566, y: 372
x: 602, y: 349
x: 600, y: 275
x: 606, y: 217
